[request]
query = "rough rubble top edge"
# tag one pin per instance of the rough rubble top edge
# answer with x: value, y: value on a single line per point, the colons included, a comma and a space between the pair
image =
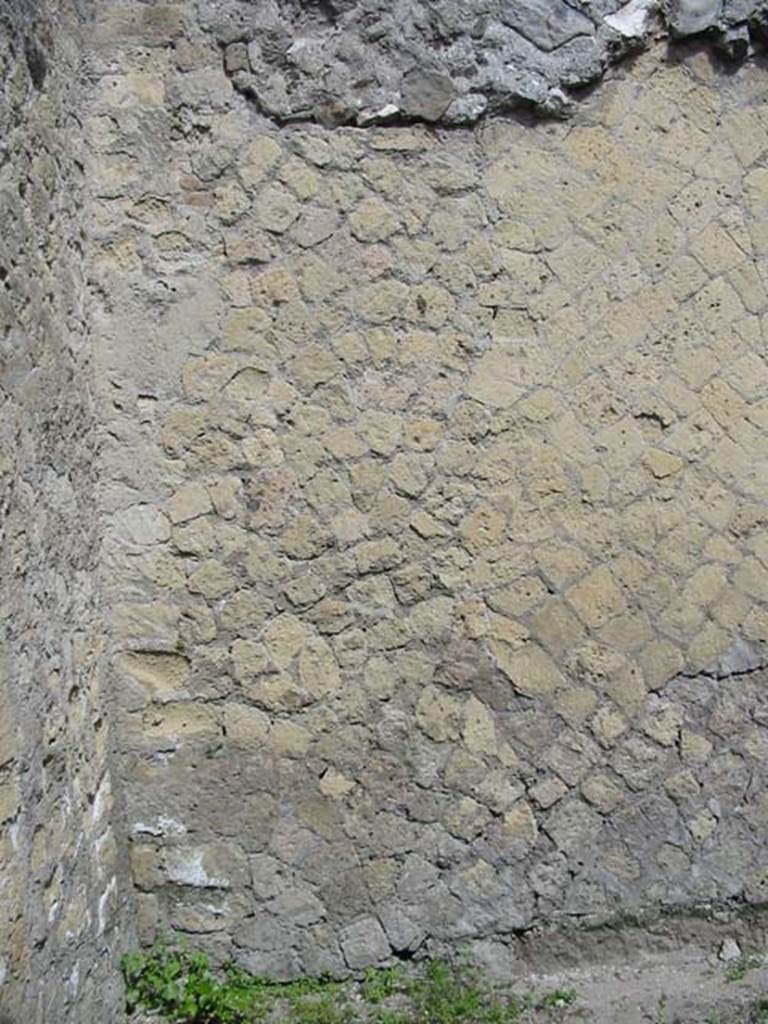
x: 449, y: 62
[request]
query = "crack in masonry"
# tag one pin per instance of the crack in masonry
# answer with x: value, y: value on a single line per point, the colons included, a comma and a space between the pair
x: 714, y: 674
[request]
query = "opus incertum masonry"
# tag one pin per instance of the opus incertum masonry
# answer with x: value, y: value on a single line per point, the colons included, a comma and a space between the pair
x: 384, y: 481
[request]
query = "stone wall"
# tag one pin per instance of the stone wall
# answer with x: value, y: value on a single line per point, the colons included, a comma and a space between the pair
x: 60, y: 900
x: 384, y: 480
x: 437, y: 484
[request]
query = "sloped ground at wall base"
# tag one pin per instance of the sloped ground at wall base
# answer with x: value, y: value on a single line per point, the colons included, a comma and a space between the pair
x: 685, y: 988
x: 705, y: 969
x: 661, y: 989
x: 679, y: 969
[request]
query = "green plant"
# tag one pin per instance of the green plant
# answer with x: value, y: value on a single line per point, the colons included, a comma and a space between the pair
x: 739, y: 968
x: 446, y: 996
x: 454, y: 994
x: 381, y: 984
x: 320, y: 1008
x: 380, y: 1016
x: 661, y: 1009
x: 182, y: 986
x: 558, y: 998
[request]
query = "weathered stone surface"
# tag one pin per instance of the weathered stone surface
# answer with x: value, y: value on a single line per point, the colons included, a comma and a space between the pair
x: 456, y: 64
x: 364, y: 943
x: 426, y: 94
x: 429, y: 535
x: 688, y: 17
x: 63, y: 888
x: 547, y: 24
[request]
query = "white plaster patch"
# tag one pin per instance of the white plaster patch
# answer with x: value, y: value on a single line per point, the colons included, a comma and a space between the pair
x: 634, y: 19
x: 104, y: 899
x: 161, y: 827
x: 187, y: 867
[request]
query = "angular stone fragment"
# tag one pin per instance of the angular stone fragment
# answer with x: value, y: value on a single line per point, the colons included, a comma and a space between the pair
x: 607, y: 725
x: 529, y: 668
x: 212, y: 579
x: 730, y: 950
x: 250, y: 659
x: 305, y: 539
x: 663, y: 721
x: 482, y: 528
x: 382, y: 430
x: 602, y: 792
x: 150, y: 627
x: 364, y: 943
x: 244, y: 611
x: 548, y: 24
x: 634, y: 19
x: 403, y: 933
x: 245, y: 726
x: 188, y: 502
x: 662, y: 464
x: 141, y: 525
x: 438, y: 714
x: 573, y: 826
x: 373, y: 221
x: 479, y: 730
x: 382, y: 301
x: 204, y: 377
x: 275, y: 209
x: 248, y: 242
x: 520, y: 823
x: 298, y: 907
x: 497, y: 379
x: 335, y: 785
x: 687, y: 17
x: 314, y: 226
x: 318, y: 669
x: 314, y: 365
x: 596, y: 599
x: 702, y: 826
x: 660, y: 661
x: 260, y: 158
x: 548, y: 792
x: 163, y: 676
x: 377, y: 555
x: 426, y: 94
x: 739, y: 658
x: 212, y: 866
x: 519, y: 597
x: 284, y: 637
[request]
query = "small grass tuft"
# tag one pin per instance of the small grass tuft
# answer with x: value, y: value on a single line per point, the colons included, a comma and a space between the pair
x: 381, y: 984
x: 741, y: 967
x: 558, y: 999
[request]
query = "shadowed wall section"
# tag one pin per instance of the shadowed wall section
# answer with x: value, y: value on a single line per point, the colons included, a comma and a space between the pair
x: 61, y: 905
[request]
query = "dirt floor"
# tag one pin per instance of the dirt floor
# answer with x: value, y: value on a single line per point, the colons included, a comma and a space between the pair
x: 676, y: 988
